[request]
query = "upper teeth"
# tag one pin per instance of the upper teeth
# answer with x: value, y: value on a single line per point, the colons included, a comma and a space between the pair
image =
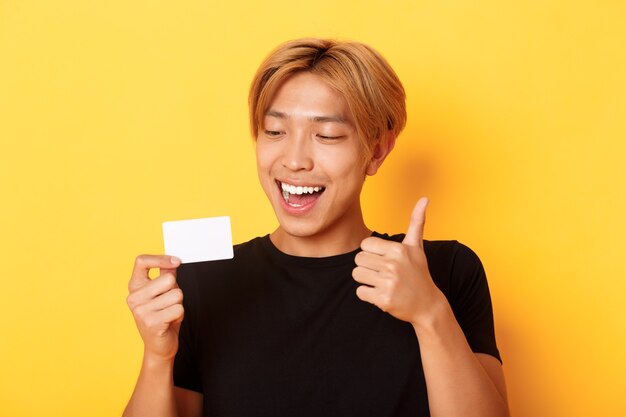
x: 292, y: 189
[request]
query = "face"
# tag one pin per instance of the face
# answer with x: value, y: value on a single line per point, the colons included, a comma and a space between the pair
x: 309, y: 159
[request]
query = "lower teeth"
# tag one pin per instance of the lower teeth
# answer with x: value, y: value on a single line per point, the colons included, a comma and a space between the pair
x: 286, y: 196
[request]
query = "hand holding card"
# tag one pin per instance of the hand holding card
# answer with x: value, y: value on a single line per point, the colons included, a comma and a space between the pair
x: 199, y: 240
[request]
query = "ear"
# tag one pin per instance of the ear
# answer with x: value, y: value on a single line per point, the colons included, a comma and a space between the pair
x: 381, y: 150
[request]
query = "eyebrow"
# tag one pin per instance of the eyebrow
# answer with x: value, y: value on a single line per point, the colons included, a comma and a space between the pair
x: 317, y: 119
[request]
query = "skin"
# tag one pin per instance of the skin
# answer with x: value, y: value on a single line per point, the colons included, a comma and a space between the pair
x: 397, y: 280
x: 158, y: 311
x: 309, y: 138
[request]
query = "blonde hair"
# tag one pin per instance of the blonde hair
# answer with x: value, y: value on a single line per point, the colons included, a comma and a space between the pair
x: 371, y: 88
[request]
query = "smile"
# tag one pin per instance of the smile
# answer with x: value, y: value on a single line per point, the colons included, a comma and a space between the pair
x: 299, y: 195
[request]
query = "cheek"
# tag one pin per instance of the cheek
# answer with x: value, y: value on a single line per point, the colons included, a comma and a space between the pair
x: 350, y: 167
x: 263, y: 158
x: 262, y: 169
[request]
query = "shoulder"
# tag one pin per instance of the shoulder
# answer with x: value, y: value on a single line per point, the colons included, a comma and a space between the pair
x: 451, y: 263
x: 451, y: 253
x: 457, y: 271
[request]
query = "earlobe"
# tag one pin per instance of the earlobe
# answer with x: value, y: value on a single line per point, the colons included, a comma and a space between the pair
x: 381, y: 150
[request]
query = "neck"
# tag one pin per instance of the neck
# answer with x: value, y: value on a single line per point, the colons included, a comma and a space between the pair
x: 335, y: 240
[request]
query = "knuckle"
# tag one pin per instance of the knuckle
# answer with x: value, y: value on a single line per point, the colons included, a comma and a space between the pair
x: 140, y: 260
x: 398, y: 250
x: 140, y: 312
x: 177, y: 293
x: 179, y: 310
x: 385, y: 302
x: 359, y: 292
x: 393, y: 268
x: 370, y: 240
x: 169, y: 279
x: 130, y: 301
x: 358, y: 258
x: 151, y: 322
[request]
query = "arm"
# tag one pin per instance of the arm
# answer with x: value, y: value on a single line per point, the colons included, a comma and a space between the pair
x: 396, y: 277
x: 155, y: 395
x: 158, y: 311
x: 460, y: 382
x: 154, y: 391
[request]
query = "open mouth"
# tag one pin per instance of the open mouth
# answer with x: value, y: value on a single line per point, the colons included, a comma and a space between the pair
x: 299, y: 195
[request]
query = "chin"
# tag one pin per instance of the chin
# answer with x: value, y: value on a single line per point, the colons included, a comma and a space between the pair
x: 298, y: 228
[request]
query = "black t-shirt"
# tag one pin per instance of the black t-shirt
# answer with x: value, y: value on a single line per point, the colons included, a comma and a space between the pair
x: 270, y: 334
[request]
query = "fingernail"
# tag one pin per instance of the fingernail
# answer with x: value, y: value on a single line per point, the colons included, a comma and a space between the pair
x: 175, y: 260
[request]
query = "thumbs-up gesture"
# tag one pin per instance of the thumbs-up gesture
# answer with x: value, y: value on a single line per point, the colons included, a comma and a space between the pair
x: 156, y: 305
x: 395, y: 275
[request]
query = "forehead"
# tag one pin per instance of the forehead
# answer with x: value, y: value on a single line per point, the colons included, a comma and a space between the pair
x: 308, y: 95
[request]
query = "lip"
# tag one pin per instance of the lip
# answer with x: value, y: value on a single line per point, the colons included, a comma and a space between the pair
x: 297, y: 183
x: 295, y: 211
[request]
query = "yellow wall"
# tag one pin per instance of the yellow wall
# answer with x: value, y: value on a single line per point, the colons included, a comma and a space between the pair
x: 118, y: 115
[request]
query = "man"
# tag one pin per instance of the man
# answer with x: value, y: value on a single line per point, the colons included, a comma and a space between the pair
x: 322, y: 317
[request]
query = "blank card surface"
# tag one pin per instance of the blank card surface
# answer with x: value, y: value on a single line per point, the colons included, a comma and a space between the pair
x: 199, y: 240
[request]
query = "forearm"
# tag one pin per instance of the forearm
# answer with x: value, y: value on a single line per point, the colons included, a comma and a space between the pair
x: 457, y: 383
x: 154, y: 393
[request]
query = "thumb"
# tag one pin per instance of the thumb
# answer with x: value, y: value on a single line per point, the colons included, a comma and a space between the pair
x: 415, y: 233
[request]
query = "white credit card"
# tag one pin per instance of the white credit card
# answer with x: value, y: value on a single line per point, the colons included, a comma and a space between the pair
x: 199, y: 240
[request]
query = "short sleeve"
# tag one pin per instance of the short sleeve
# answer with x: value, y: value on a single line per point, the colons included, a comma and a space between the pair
x: 471, y: 301
x: 186, y: 365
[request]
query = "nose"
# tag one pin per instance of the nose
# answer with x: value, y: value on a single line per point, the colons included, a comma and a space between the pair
x: 297, y: 153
